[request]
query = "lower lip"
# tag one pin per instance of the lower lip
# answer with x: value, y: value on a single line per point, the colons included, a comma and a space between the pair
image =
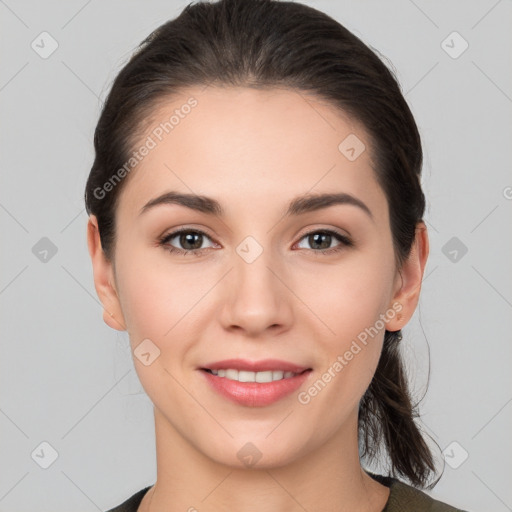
x: 255, y: 394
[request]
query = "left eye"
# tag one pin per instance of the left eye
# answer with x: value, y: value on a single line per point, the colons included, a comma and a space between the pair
x: 322, y: 240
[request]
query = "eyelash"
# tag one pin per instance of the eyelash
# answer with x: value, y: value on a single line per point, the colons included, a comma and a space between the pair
x: 163, y: 242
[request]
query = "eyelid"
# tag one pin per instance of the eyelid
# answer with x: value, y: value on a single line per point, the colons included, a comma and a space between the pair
x: 330, y: 229
x: 185, y: 229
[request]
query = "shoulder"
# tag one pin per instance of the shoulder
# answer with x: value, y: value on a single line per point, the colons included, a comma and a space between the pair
x: 405, y: 498
x: 132, y: 503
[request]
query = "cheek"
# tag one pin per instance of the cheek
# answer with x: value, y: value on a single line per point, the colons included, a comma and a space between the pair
x: 163, y: 301
x: 348, y: 297
x: 143, y: 301
x: 349, y: 300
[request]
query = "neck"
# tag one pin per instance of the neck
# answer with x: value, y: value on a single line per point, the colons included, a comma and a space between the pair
x: 328, y: 478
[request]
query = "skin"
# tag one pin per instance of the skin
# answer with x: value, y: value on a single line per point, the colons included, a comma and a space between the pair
x: 253, y: 151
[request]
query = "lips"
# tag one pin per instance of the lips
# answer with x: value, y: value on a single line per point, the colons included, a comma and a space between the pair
x: 258, y: 391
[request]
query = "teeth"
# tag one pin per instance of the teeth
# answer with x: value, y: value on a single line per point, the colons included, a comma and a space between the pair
x: 245, y: 376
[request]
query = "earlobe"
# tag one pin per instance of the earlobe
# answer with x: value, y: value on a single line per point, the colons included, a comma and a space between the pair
x: 410, y: 275
x: 103, y: 278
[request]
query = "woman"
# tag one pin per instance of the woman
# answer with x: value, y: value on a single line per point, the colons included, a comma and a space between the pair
x: 256, y: 227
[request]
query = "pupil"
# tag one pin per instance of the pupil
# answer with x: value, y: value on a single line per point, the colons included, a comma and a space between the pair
x: 185, y: 239
x: 315, y: 238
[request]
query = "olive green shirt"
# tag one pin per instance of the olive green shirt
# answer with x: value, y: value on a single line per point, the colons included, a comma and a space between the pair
x: 402, y: 498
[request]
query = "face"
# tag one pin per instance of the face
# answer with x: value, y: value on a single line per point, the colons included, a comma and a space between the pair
x: 258, y: 281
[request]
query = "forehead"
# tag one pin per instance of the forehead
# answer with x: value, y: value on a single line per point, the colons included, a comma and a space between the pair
x: 259, y: 144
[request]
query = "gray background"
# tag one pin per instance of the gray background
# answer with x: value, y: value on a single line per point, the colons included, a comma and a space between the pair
x: 67, y: 379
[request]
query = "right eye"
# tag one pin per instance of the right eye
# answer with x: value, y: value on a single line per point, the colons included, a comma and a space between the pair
x: 190, y: 239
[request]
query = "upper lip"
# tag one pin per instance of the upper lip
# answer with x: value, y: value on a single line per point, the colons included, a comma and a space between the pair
x: 256, y: 366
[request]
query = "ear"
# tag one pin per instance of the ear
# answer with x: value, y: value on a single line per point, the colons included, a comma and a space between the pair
x: 103, y: 278
x: 408, y: 280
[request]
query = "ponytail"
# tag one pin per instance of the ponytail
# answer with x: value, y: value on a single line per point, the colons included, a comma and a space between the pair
x: 386, y: 417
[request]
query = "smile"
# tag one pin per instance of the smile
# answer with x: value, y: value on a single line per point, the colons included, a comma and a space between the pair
x: 254, y: 389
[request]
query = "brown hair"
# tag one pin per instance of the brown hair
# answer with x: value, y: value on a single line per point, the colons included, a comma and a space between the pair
x: 268, y: 43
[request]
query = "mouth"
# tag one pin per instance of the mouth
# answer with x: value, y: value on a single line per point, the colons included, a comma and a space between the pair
x: 255, y: 383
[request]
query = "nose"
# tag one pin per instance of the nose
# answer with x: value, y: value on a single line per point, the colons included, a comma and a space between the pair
x: 257, y: 298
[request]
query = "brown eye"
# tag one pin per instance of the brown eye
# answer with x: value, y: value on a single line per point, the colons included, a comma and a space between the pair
x: 185, y: 241
x: 191, y: 241
x: 321, y: 240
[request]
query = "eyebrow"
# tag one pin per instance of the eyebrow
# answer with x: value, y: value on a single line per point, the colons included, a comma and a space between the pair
x: 299, y: 205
